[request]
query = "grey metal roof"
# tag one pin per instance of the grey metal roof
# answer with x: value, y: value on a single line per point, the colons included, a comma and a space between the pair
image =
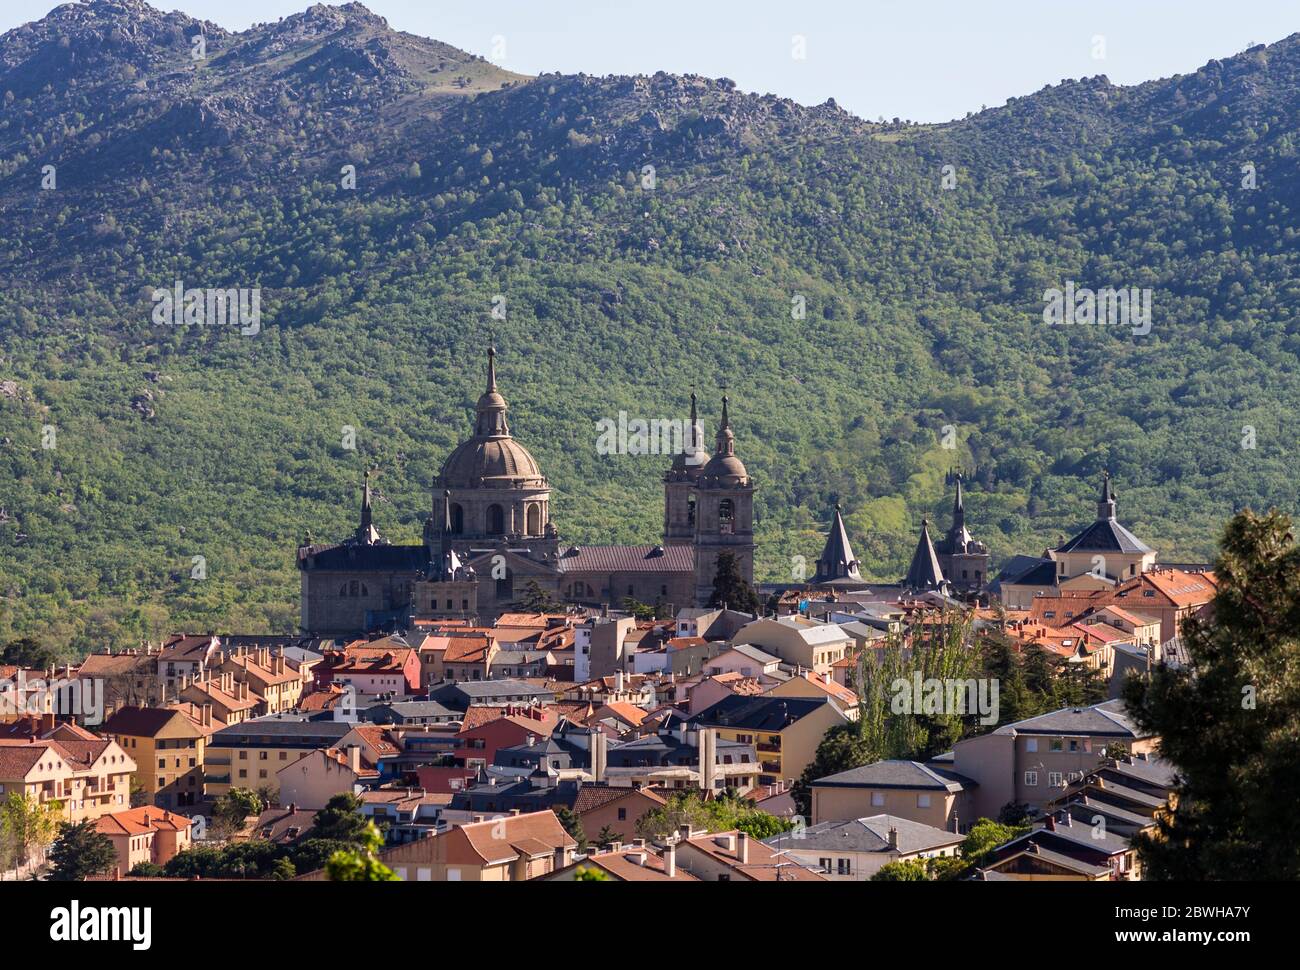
x: 1104, y: 720
x: 869, y: 834
x: 759, y: 713
x: 897, y: 774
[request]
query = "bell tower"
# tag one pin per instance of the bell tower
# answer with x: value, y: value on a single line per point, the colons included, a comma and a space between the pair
x: 724, y: 512
x: 679, y: 485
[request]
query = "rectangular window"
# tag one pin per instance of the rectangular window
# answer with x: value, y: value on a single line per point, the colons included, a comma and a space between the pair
x: 877, y: 799
x: 1058, y: 744
x: 1055, y: 779
x: 922, y: 801
x: 844, y: 867
x: 1031, y: 779
x: 1031, y: 745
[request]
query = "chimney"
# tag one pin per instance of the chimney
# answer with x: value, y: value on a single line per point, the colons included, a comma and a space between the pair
x: 670, y: 860
x: 561, y: 859
x: 707, y: 747
x: 1051, y: 823
x: 684, y: 831
x: 956, y: 824
x: 243, y: 690
x: 893, y: 837
x: 354, y: 758
x: 599, y: 754
x: 742, y: 848
x: 206, y: 715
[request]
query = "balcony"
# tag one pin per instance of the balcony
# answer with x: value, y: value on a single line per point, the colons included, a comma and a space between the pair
x: 771, y: 766
x: 769, y: 746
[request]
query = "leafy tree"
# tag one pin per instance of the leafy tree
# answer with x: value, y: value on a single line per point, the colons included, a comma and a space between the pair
x: 985, y: 836
x: 26, y: 826
x: 147, y: 869
x: 361, y: 864
x: 1227, y: 720
x: 231, y: 809
x: 730, y: 587
x: 904, y: 870
x: 341, y: 820
x: 29, y: 653
x: 81, y: 850
x: 590, y: 874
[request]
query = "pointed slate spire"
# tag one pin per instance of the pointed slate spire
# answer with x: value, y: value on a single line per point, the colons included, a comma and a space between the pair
x: 837, y: 560
x: 924, y: 573
x: 367, y: 534
x: 450, y: 562
x: 1106, y: 504
x: 958, y: 538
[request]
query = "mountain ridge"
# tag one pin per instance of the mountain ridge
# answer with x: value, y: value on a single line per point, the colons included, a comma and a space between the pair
x: 923, y: 304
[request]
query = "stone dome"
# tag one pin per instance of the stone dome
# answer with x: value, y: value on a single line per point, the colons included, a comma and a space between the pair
x: 489, y: 461
x: 491, y: 458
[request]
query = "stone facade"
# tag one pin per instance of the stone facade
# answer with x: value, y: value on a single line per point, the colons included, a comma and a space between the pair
x: 490, y: 538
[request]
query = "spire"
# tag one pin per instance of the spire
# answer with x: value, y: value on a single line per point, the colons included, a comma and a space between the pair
x: 837, y: 560
x: 367, y: 534
x: 1106, y: 503
x: 491, y: 408
x: 924, y: 573
x: 958, y: 538
x: 726, y: 437
x: 449, y: 561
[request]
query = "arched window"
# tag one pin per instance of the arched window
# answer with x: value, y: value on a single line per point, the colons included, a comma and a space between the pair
x: 690, y: 510
x: 496, y: 520
x: 535, y: 519
x: 726, y: 516
x: 457, y: 519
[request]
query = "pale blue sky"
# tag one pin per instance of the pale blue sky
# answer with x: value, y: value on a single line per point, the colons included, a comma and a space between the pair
x: 927, y: 60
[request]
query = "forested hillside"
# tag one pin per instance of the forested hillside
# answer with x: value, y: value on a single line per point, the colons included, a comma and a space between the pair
x: 924, y: 303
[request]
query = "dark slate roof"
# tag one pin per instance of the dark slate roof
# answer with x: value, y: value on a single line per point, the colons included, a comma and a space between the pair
x: 665, y: 749
x: 1104, y: 720
x: 358, y: 557
x: 1059, y: 859
x: 411, y: 709
x: 625, y: 559
x: 837, y: 560
x: 924, y: 572
x: 498, y: 688
x: 282, y: 728
x: 1036, y: 572
x: 1105, y: 535
x: 869, y: 835
x: 897, y: 774
x: 759, y: 713
x: 1152, y: 770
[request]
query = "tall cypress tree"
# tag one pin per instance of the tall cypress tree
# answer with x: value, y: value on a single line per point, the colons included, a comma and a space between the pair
x: 1230, y: 721
x: 729, y: 586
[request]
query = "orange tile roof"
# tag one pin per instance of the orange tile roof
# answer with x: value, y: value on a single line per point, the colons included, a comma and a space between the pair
x: 467, y: 650
x: 139, y: 821
x: 505, y: 839
x: 762, y: 859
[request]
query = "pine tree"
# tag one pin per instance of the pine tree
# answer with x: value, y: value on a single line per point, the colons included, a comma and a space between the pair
x: 1228, y: 720
x: 81, y: 850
